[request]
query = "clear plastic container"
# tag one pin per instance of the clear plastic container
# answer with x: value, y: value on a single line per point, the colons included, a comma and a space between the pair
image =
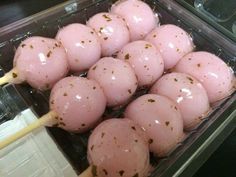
x: 220, y: 10
x: 198, y: 145
x: 219, y: 13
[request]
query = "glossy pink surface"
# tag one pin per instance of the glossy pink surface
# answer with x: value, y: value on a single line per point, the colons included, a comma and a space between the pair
x: 116, y: 149
x: 145, y: 59
x: 82, y: 46
x: 215, y: 76
x: 79, y: 103
x: 138, y: 15
x: 112, y: 30
x: 41, y: 62
x: 117, y: 79
x: 188, y: 93
x: 173, y: 43
x: 160, y: 118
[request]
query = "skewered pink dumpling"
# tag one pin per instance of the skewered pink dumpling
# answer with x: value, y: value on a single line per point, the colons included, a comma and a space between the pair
x: 160, y: 118
x: 138, y: 15
x: 173, y: 43
x: 117, y: 79
x: 216, y: 77
x: 78, y: 102
x: 41, y: 62
x: 82, y: 46
x: 145, y: 59
x: 188, y: 93
x: 112, y: 30
x: 116, y: 148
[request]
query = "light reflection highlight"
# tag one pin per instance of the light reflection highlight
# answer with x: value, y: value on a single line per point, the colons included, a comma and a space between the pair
x: 187, y: 91
x: 78, y: 44
x: 179, y: 99
x: 213, y: 74
x: 137, y: 19
x: 157, y: 122
x: 171, y: 45
x: 78, y: 97
x: 42, y: 58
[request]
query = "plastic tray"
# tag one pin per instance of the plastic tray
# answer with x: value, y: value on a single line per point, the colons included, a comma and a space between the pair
x: 219, y: 13
x: 198, y: 145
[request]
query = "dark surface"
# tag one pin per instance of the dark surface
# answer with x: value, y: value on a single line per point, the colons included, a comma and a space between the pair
x: 223, y: 161
x: 13, y: 10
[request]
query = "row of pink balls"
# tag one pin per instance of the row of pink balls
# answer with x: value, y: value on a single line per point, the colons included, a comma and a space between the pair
x: 198, y: 78
x: 42, y: 62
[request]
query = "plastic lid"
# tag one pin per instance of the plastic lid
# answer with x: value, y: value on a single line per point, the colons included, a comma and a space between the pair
x: 221, y: 11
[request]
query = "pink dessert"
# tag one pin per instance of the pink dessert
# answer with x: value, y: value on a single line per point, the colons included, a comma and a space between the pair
x: 173, y: 43
x: 112, y: 31
x: 82, y: 46
x: 78, y: 102
x: 216, y: 77
x: 117, y: 79
x: 160, y: 118
x: 189, y: 95
x: 145, y: 59
x: 116, y: 148
x: 41, y: 62
x: 138, y: 15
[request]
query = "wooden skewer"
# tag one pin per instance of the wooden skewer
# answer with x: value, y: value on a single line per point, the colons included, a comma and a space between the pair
x: 10, y: 77
x: 4, y: 79
x: 87, y: 172
x: 46, y: 120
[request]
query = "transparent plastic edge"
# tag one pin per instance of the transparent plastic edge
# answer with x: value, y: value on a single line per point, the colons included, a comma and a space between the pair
x: 35, y: 17
x: 220, y: 39
x: 207, y: 142
x: 209, y: 21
